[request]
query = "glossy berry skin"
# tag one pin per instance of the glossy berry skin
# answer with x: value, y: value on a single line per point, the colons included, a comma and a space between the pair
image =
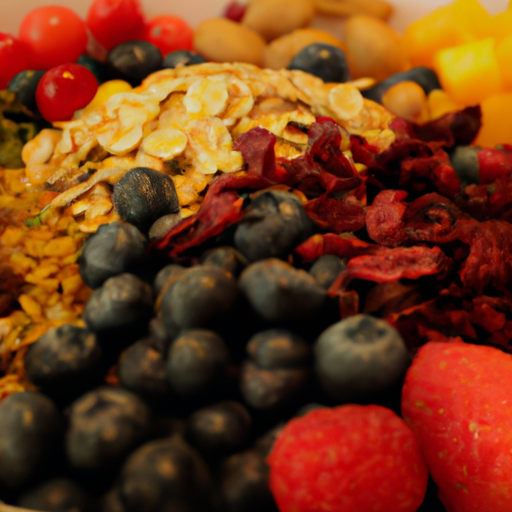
x: 277, y: 291
x: 30, y: 427
x: 456, y: 396
x: 353, y: 458
x: 113, y: 22
x: 134, y: 60
x: 143, y: 195
x: 180, y: 58
x: 13, y: 58
x: 64, y: 361
x: 122, y: 302
x: 423, y: 76
x: 273, y: 225
x: 56, y: 494
x: 63, y: 90
x: 105, y: 425
x: 169, y: 33
x: 358, y: 356
x: 24, y: 85
x: 54, y: 35
x: 323, y: 60
x: 166, y: 474
x: 115, y: 248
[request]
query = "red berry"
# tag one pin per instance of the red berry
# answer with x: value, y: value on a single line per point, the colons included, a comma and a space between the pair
x: 352, y: 458
x: 169, y: 33
x: 13, y: 58
x: 63, y: 90
x: 456, y: 396
x: 235, y: 11
x: 54, y: 35
x: 113, y: 22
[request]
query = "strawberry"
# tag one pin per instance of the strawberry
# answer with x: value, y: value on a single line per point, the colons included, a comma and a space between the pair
x: 457, y: 397
x: 351, y: 458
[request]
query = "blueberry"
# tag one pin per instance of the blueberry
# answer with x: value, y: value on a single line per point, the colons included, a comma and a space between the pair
x: 277, y: 291
x: 24, y: 85
x: 196, y: 297
x: 326, y: 269
x: 423, y: 76
x: 270, y: 389
x: 30, y: 428
x: 143, y: 195
x: 272, y: 226
x: 57, y: 494
x: 122, y: 301
x: 464, y: 160
x: 142, y: 369
x: 134, y: 60
x: 96, y: 67
x: 105, y: 425
x: 64, y: 362
x: 219, y: 429
x: 181, y: 58
x: 197, y: 363
x: 278, y: 348
x: 358, y: 356
x: 165, y: 475
x: 323, y: 60
x: 244, y: 483
x: 165, y: 276
x: 226, y: 258
x: 115, y: 248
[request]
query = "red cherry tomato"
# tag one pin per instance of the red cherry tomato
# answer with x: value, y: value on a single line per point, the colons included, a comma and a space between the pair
x: 113, y: 22
x: 54, y: 35
x: 169, y: 33
x: 63, y: 90
x: 13, y: 58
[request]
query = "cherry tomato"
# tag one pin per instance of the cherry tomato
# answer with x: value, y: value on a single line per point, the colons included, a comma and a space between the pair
x: 63, y: 90
x: 54, y: 35
x: 169, y: 33
x: 113, y: 22
x: 13, y: 58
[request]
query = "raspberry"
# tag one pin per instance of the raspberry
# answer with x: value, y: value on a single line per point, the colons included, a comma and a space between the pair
x: 355, y: 458
x: 456, y: 396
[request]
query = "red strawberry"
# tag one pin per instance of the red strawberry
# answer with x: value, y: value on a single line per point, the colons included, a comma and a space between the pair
x: 458, y: 398
x: 352, y: 458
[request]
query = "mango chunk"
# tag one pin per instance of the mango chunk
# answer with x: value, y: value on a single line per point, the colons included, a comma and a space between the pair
x: 469, y: 73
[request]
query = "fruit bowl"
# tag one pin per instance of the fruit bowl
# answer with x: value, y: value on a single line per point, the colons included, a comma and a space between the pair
x: 195, y: 11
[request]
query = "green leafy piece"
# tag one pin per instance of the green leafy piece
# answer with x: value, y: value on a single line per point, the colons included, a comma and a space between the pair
x: 17, y: 127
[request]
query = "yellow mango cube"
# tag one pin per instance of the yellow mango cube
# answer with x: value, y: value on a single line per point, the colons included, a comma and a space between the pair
x: 469, y: 73
x: 460, y: 22
x: 504, y: 58
x: 496, y: 120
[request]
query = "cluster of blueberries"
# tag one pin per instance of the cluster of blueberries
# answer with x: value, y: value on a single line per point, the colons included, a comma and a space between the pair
x: 171, y: 395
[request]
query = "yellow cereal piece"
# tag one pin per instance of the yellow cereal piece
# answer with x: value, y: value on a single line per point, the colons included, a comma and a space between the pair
x: 53, y: 299
x: 22, y: 263
x: 50, y: 285
x: 41, y: 272
x: 12, y: 236
x: 61, y: 246
x: 71, y: 285
x: 30, y: 306
x: 34, y: 247
x: 207, y: 97
x: 166, y: 143
x: 41, y: 233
